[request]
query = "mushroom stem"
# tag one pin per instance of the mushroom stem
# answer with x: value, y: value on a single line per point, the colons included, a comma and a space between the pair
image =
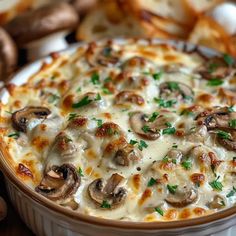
x: 46, y: 45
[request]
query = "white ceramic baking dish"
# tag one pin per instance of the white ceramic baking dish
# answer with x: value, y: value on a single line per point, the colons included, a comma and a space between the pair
x: 44, y: 217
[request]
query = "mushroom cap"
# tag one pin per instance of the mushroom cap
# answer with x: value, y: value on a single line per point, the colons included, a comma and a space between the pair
x: 41, y: 22
x: 8, y: 54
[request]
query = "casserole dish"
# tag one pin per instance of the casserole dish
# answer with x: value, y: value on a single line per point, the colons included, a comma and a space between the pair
x: 47, y: 218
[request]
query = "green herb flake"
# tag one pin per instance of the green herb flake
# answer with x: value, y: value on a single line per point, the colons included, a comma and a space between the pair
x: 9, y: 112
x: 172, y: 188
x: 80, y: 172
x: 106, y: 91
x: 151, y: 182
x: 169, y: 130
x: 108, y: 79
x: 187, y: 164
x: 228, y: 59
x: 95, y: 78
x: 173, y: 86
x: 72, y: 116
x: 14, y: 135
x: 107, y: 51
x: 186, y: 112
x: 153, y: 117
x: 165, y: 159
x: 78, y: 89
x: 215, y: 82
x: 168, y: 124
x: 231, y: 193
x: 174, y: 145
x: 145, y: 128
x: 223, y: 135
x: 165, y: 104
x: 99, y: 121
x: 98, y: 97
x: 231, y: 109
x: 216, y: 185
x: 133, y: 142
x: 53, y: 98
x: 83, y: 102
x: 157, y: 76
x: 105, y: 205
x: 232, y: 123
x: 212, y: 67
x: 174, y: 161
x: 142, y: 144
x: 159, y: 210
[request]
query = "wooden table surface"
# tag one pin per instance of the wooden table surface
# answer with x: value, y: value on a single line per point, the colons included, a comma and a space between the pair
x: 12, y: 225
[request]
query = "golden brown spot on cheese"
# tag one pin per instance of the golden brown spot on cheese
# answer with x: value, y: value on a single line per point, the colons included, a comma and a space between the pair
x: 4, y: 119
x: 179, y: 133
x: 107, y: 115
x: 96, y: 175
x: 68, y: 101
x: 199, y: 211
x: 170, y: 57
x: 89, y: 170
x: 171, y: 214
x: 17, y: 104
x: 185, y: 214
x: 107, y: 129
x: 10, y: 88
x: 150, y: 218
x: 78, y: 122
x: 146, y: 194
x: 205, y: 98
x: 40, y: 143
x: 43, y: 127
x: 54, y: 55
x: 63, y: 86
x: 197, y: 178
x: 136, y: 181
x: 114, y: 144
x: 89, y: 153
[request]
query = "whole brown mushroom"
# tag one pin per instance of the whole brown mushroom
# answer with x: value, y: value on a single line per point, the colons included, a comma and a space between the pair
x: 43, y: 30
x: 8, y: 55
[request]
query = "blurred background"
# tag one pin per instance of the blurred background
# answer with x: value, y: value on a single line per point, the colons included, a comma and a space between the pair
x: 30, y: 29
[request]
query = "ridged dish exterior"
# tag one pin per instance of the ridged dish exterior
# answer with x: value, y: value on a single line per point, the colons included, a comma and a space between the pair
x: 44, y: 222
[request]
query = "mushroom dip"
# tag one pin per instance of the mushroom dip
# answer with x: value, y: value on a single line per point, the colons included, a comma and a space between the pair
x: 135, y: 131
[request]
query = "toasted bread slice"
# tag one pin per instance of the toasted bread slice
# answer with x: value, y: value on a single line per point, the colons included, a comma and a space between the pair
x: 210, y: 34
x: 200, y: 6
x: 10, y: 8
x: 176, y: 10
x: 110, y: 22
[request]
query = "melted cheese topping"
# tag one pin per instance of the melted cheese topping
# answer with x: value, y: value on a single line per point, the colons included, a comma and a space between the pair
x: 181, y: 173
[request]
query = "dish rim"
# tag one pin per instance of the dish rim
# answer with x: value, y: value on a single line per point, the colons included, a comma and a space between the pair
x: 8, y: 171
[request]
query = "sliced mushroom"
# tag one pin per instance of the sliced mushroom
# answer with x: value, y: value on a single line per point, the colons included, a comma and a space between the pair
x: 108, y: 192
x: 175, y: 154
x: 122, y: 153
x: 20, y: 119
x: 228, y: 142
x: 64, y: 146
x: 146, y: 129
x: 103, y: 56
x: 128, y: 97
x: 173, y: 89
x: 215, y: 68
x: 182, y: 197
x: 217, y: 202
x: 59, y: 183
x: 108, y: 130
x: 219, y: 118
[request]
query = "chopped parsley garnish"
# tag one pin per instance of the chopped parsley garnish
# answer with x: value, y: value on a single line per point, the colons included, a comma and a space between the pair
x: 231, y: 193
x: 151, y: 182
x: 157, y: 76
x: 223, y: 134
x: 222, y: 203
x: 187, y: 164
x: 216, y: 185
x: 145, y: 128
x: 108, y: 79
x: 68, y: 140
x: 232, y: 123
x: 14, y: 135
x: 153, y: 116
x: 215, y: 82
x: 228, y: 59
x: 186, y: 112
x: 133, y: 142
x: 159, y: 210
x: 83, y: 102
x: 106, y: 91
x: 172, y: 188
x: 142, y: 144
x: 99, y: 122
x: 169, y: 130
x: 174, y: 145
x: 9, y: 112
x: 173, y: 86
x: 163, y: 103
x: 53, y: 98
x: 98, y: 97
x: 107, y: 51
x: 165, y: 159
x: 106, y: 205
x: 78, y: 89
x: 212, y: 67
x: 95, y: 78
x: 168, y: 124
x: 72, y: 116
x: 231, y: 109
x: 80, y: 172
